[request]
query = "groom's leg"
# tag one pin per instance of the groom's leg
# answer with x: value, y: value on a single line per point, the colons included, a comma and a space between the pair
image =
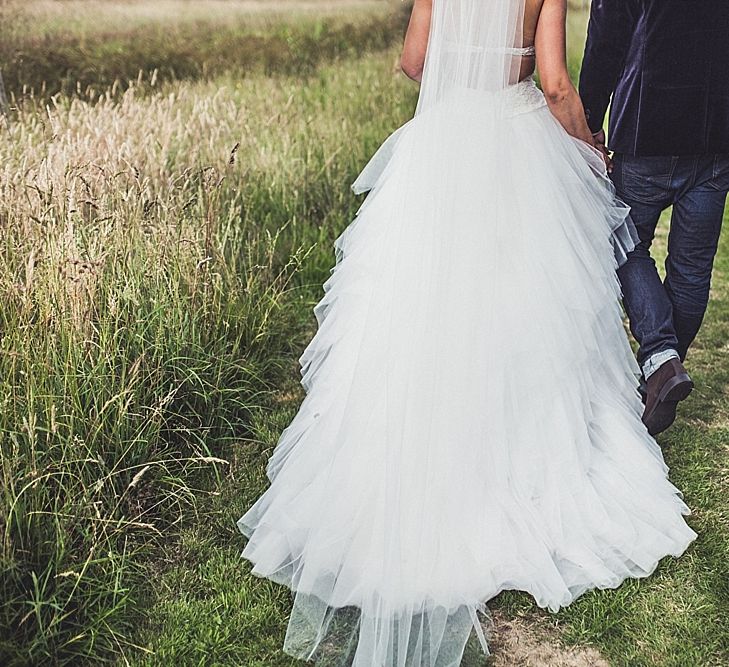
x: 692, y: 246
x: 645, y: 184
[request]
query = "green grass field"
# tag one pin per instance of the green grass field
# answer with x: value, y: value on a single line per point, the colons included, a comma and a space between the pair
x: 163, y: 246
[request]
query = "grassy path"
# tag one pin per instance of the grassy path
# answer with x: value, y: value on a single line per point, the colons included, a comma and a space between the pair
x: 676, y: 617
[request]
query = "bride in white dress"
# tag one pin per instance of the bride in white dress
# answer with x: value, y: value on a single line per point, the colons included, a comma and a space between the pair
x: 471, y: 422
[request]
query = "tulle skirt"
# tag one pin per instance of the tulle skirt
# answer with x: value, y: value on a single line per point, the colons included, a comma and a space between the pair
x: 471, y: 421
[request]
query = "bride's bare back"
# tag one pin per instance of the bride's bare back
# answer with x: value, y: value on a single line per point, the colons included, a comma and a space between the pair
x: 532, y: 10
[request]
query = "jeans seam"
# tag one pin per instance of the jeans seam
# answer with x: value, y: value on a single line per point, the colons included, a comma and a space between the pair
x: 695, y: 172
x: 716, y: 171
x: 674, y: 164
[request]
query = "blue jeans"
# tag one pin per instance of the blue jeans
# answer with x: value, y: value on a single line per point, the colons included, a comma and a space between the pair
x: 666, y: 315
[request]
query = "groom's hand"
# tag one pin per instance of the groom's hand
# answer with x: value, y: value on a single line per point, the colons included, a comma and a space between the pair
x: 599, y: 139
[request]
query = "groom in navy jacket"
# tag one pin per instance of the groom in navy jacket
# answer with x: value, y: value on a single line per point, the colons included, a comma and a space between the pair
x: 665, y: 66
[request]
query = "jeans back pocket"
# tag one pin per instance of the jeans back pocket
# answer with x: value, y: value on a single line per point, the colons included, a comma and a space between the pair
x: 645, y: 179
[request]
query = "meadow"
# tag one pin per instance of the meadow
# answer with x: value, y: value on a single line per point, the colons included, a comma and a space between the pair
x: 171, y: 182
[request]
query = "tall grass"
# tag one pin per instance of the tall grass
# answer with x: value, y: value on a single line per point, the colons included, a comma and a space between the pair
x: 151, y: 247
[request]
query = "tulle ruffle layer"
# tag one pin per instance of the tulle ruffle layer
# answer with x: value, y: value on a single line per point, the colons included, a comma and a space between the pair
x: 471, y: 422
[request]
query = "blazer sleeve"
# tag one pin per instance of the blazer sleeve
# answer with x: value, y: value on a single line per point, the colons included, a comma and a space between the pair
x: 610, y: 30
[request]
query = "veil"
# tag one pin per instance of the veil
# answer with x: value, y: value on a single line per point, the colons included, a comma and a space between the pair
x: 474, y: 46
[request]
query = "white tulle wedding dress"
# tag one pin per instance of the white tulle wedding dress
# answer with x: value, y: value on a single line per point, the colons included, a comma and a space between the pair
x: 471, y: 422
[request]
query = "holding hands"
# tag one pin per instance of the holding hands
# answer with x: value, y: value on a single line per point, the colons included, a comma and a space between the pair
x: 598, y: 139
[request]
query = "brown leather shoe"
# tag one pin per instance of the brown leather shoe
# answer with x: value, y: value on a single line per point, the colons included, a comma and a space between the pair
x: 666, y: 387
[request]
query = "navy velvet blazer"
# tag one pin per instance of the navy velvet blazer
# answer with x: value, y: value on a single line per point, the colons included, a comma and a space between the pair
x: 666, y: 65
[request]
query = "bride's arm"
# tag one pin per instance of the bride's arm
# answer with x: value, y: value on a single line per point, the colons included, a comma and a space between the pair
x: 560, y: 92
x: 416, y: 40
